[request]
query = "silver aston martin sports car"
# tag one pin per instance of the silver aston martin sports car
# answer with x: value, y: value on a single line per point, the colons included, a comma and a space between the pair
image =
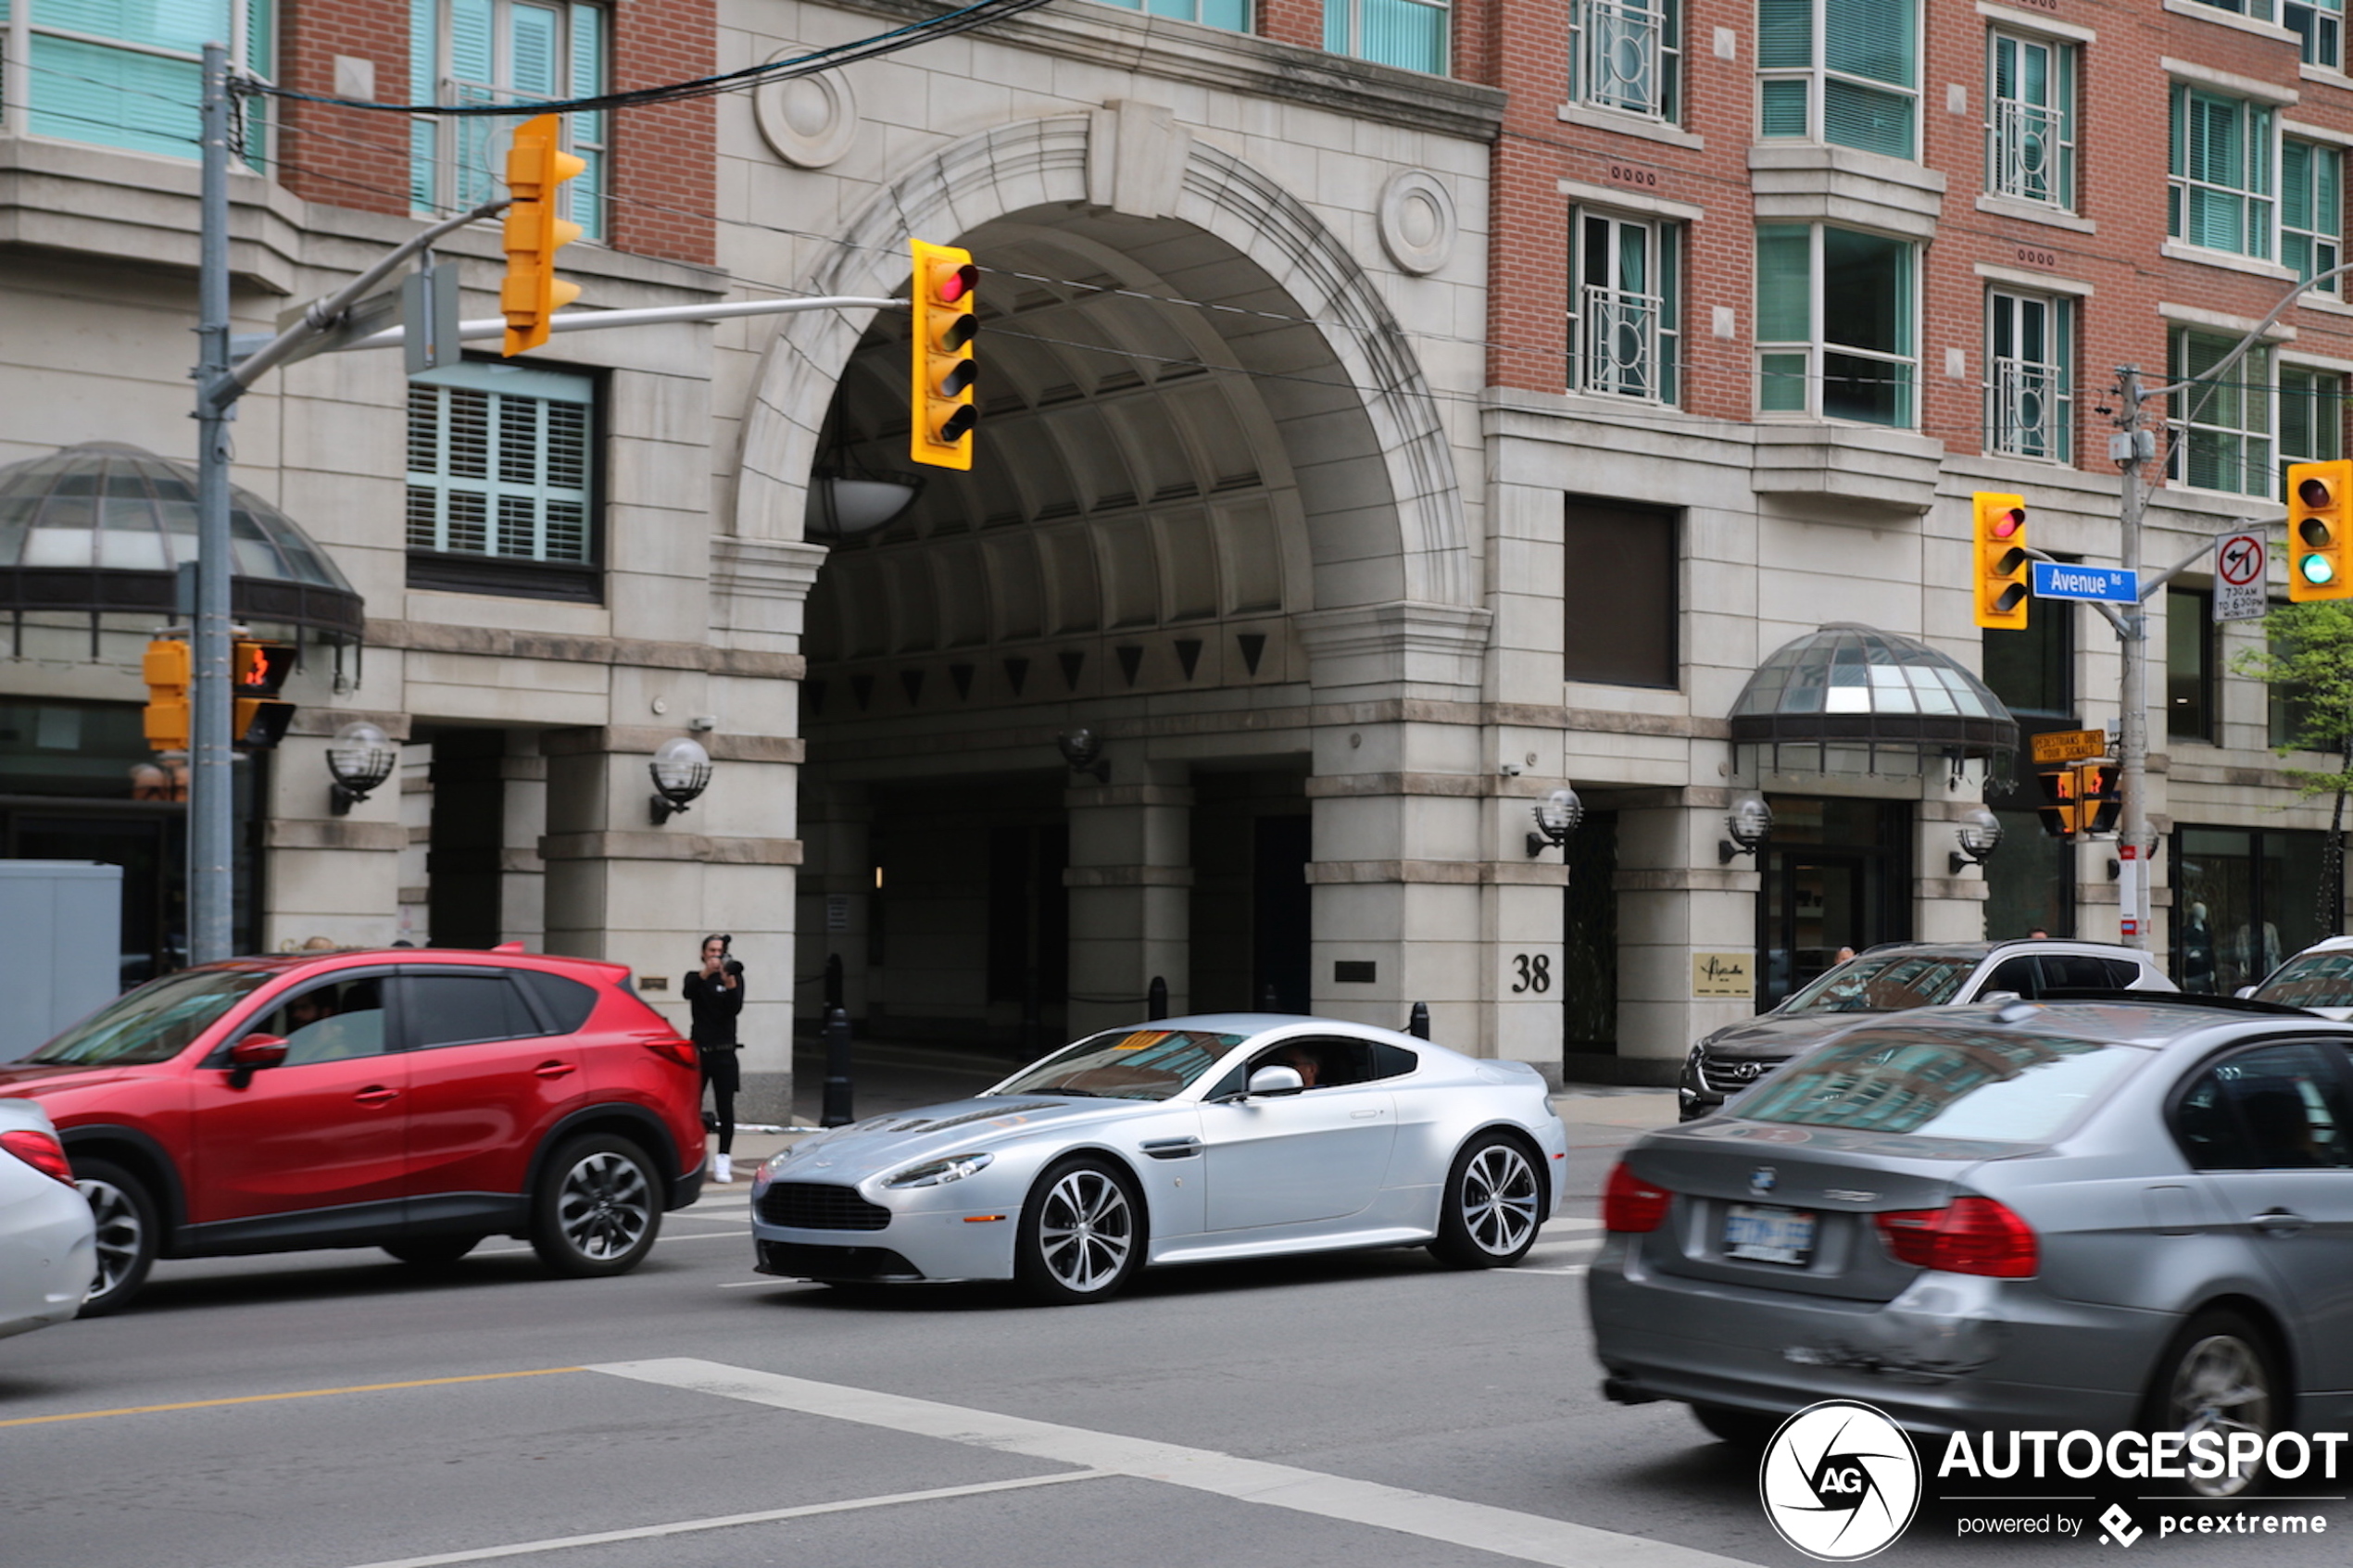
x: 1189, y: 1140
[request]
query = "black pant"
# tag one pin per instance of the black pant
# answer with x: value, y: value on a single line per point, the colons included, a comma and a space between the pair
x: 719, y: 1071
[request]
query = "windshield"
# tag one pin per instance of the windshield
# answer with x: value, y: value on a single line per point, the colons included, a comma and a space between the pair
x: 2312, y: 980
x: 156, y: 1021
x: 1126, y: 1064
x: 1885, y: 983
x: 1978, y: 1083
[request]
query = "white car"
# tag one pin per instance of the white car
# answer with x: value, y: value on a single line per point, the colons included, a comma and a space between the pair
x: 2318, y: 979
x: 48, y: 1241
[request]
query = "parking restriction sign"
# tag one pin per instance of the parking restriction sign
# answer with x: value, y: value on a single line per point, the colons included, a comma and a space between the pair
x: 2242, y: 569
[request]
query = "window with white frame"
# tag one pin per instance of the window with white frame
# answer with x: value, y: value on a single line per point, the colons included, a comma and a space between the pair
x: 1627, y: 55
x: 2311, y: 417
x: 2029, y: 133
x: 1843, y: 71
x: 500, y: 477
x: 2220, y: 194
x: 126, y: 73
x: 2221, y: 425
x: 2030, y: 394
x: 1406, y: 33
x: 1623, y: 328
x: 1232, y: 15
x: 2320, y: 25
x: 2311, y: 211
x: 1836, y: 333
x: 498, y: 51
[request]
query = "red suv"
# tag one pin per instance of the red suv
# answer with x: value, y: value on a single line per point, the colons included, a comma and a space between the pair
x: 412, y: 1100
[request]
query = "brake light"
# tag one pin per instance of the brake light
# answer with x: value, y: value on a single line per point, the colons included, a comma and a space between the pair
x: 1631, y: 1205
x: 39, y: 1150
x: 1975, y: 1235
x: 674, y: 1049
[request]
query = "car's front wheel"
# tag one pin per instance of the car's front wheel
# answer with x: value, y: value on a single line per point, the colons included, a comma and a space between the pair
x: 2217, y: 1375
x: 125, y: 1215
x: 598, y: 1210
x: 1492, y: 1206
x: 1082, y: 1233
x: 432, y: 1251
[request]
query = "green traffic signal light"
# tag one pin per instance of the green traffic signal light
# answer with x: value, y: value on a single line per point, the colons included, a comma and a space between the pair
x: 2316, y: 570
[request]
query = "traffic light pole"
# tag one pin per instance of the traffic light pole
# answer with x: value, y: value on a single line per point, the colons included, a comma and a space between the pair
x: 211, y: 782
x: 2134, y: 841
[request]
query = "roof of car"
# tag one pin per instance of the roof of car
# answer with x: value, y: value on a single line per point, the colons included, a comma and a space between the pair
x: 2136, y: 1018
x: 1981, y: 950
x: 406, y: 955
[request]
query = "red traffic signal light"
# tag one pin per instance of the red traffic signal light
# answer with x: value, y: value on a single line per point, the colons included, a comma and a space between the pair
x: 256, y: 670
x: 943, y: 370
x: 2097, y: 801
x: 1998, y: 559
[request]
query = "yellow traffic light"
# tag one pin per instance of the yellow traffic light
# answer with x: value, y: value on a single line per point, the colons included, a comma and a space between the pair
x: 166, y: 670
x: 2058, y: 811
x: 2097, y: 803
x: 536, y: 169
x: 2316, y: 518
x: 256, y: 672
x: 1998, y: 561
x: 941, y: 404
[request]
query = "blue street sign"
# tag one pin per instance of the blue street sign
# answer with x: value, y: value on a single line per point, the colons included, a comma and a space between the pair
x: 2106, y: 585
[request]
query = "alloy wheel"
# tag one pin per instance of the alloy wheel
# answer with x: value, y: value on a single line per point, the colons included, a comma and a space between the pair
x: 605, y: 1206
x: 1498, y: 1199
x: 1086, y: 1231
x: 2222, y: 1384
x: 121, y: 1234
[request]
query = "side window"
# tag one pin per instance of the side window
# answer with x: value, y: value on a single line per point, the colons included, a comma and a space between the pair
x: 566, y: 1003
x: 332, y: 1021
x: 2277, y: 1108
x: 2123, y: 973
x: 456, y: 1010
x: 2076, y: 971
x: 2014, y: 975
x: 1391, y: 1061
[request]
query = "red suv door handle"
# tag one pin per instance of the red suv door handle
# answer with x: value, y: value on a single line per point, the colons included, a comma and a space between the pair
x: 376, y: 1094
x: 552, y: 1069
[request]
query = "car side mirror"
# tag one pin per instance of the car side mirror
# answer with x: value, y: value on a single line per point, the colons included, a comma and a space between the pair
x: 1277, y: 1080
x: 2244, y: 992
x: 258, y: 1050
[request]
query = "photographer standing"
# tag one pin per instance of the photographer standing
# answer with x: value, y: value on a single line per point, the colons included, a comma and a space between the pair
x: 716, y: 994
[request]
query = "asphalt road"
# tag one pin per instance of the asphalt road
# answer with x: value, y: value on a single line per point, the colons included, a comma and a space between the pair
x: 333, y: 1409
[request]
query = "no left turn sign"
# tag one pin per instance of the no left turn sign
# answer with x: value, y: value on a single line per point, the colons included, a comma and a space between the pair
x: 2242, y: 564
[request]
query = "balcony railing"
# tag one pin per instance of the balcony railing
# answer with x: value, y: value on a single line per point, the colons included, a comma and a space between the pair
x: 1617, y: 341
x: 2029, y: 414
x: 2027, y: 152
x: 1618, y: 58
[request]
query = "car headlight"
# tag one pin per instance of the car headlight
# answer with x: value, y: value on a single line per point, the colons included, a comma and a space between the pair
x: 939, y: 1173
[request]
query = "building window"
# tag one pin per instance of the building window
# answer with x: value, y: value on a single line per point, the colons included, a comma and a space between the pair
x: 1835, y: 324
x: 2030, y: 133
x: 1844, y: 71
x: 2220, y: 430
x: 2311, y: 208
x: 1626, y: 54
x: 2311, y: 417
x: 1232, y: 15
x: 2189, y: 664
x: 2321, y: 25
x: 2243, y: 900
x: 1627, y: 636
x: 1404, y: 33
x: 2220, y: 193
x: 500, y: 481
x: 133, y: 75
x: 2029, y: 397
x: 499, y: 51
x: 1622, y: 324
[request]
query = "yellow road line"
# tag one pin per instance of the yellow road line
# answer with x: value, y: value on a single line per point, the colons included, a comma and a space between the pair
x: 296, y: 1394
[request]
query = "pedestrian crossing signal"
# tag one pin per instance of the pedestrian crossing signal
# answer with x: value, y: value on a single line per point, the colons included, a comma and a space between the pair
x: 2058, y: 811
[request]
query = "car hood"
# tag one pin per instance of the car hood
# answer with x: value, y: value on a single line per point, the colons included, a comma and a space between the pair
x: 1778, y: 1037
x: 887, y: 1143
x: 31, y: 1080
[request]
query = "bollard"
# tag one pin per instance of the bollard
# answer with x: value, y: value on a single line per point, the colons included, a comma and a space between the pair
x: 1266, y: 1000
x: 836, y: 1112
x: 1156, y: 999
x: 1417, y: 1023
x: 833, y: 982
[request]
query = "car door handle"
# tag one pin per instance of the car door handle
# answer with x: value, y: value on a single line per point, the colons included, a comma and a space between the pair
x: 1363, y: 1115
x: 552, y: 1069
x: 376, y: 1094
x: 2281, y: 1222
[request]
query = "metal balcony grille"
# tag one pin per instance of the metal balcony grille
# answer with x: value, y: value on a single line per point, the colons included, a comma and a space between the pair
x: 1617, y: 341
x: 819, y: 1206
x: 2027, y: 150
x: 2027, y: 408
x: 1618, y: 62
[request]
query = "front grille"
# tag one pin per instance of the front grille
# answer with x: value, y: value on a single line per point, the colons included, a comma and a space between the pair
x: 794, y: 1260
x: 821, y: 1205
x: 1726, y: 1073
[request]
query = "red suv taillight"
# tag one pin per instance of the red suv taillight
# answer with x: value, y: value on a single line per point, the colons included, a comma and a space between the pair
x: 1976, y: 1235
x: 674, y: 1049
x: 1631, y: 1205
x: 39, y: 1150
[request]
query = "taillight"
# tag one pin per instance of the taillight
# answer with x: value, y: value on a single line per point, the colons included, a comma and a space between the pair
x: 39, y: 1150
x: 677, y: 1050
x: 1976, y: 1235
x: 1631, y: 1205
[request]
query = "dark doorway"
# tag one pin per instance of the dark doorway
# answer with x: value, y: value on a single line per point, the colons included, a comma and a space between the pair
x: 468, y: 835
x: 1589, y: 939
x: 1281, y: 945
x: 1029, y: 926
x: 1837, y: 875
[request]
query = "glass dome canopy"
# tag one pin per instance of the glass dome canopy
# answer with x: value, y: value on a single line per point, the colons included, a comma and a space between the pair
x: 1848, y: 686
x: 103, y: 527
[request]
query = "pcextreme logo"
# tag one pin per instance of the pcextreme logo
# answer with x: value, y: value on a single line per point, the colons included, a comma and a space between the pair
x: 1840, y: 1481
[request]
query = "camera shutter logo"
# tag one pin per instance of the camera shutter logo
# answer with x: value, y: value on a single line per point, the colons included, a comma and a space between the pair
x: 1840, y: 1481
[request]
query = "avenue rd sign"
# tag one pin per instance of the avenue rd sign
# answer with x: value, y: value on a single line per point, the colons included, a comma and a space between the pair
x: 2104, y: 585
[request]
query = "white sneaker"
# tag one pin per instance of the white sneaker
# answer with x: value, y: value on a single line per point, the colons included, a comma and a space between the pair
x: 723, y: 1168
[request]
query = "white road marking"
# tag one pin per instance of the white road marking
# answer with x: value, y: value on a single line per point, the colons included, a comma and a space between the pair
x: 730, y: 1521
x: 733, y: 1234
x: 1530, y: 1537
x: 1579, y: 1270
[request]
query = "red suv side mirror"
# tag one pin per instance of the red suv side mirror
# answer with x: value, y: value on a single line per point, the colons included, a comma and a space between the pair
x: 258, y: 1050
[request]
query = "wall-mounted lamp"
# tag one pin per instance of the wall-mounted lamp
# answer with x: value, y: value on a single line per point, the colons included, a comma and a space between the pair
x: 844, y: 505
x: 1081, y: 748
x: 1749, y: 821
x: 1981, y: 834
x: 1556, y: 817
x: 681, y: 771
x: 359, y: 758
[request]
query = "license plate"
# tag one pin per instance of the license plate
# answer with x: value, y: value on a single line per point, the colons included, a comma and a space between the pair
x: 1758, y: 1234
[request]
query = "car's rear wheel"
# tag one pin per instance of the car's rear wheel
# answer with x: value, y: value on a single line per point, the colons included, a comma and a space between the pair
x: 127, y: 1233
x: 1082, y: 1234
x: 597, y: 1209
x: 432, y: 1251
x: 1492, y: 1206
x: 1743, y: 1429
x: 2218, y: 1375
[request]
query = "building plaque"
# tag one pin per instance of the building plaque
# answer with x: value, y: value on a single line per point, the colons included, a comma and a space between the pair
x: 1723, y: 974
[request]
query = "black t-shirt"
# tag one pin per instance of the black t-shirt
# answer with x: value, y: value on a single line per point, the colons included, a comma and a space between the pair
x: 715, y: 1006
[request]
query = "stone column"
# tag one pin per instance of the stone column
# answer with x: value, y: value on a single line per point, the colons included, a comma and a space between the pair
x: 326, y: 876
x: 1686, y: 920
x: 1948, y: 906
x: 1130, y: 878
